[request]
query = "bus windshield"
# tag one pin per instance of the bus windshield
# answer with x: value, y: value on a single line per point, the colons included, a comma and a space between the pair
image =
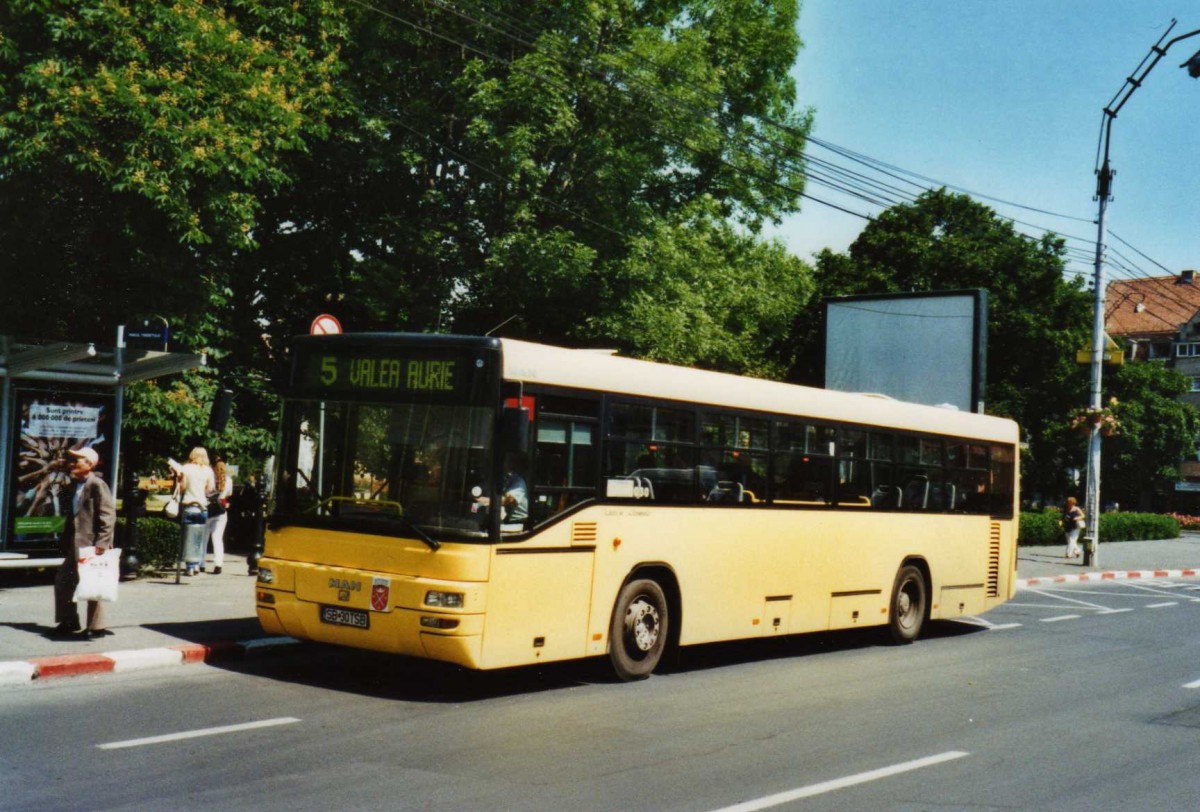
x: 385, y: 467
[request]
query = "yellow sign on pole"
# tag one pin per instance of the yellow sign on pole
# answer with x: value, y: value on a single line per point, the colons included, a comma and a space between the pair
x: 1113, y: 355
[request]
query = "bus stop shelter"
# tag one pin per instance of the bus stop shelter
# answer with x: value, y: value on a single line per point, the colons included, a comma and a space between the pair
x: 57, y: 396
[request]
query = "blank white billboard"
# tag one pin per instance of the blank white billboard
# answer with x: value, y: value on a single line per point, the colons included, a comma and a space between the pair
x: 920, y: 347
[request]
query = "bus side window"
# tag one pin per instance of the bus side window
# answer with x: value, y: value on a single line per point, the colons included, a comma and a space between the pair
x: 885, y: 493
x: 967, y: 470
x: 1003, y: 465
x: 853, y: 472
x: 651, y: 454
x: 564, y: 454
x: 802, y: 468
x: 734, y: 454
x: 922, y: 477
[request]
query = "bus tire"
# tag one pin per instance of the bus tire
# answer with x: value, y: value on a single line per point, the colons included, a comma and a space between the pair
x: 909, y: 605
x: 639, y: 630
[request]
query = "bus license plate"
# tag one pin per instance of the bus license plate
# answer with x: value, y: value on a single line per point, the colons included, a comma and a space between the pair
x: 345, y: 617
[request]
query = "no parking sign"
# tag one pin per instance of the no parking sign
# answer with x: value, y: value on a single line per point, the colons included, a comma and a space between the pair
x: 325, y: 325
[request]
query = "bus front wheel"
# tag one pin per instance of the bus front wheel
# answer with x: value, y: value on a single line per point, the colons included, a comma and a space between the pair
x: 638, y: 634
x: 909, y: 602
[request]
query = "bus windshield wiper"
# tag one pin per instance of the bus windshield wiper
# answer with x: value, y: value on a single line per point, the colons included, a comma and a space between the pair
x: 433, y: 543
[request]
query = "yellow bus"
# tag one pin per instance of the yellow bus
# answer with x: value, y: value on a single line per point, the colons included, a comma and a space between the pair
x: 495, y: 503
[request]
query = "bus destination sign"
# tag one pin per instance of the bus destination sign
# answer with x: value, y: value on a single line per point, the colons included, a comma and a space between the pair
x: 386, y: 372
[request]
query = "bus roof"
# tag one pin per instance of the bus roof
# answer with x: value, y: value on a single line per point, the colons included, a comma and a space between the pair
x: 603, y: 371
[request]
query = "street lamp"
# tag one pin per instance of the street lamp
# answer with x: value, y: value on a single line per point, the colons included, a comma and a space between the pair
x: 1104, y: 178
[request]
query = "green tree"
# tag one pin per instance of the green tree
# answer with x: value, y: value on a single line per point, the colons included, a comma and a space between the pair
x: 137, y: 139
x: 701, y: 293
x: 1140, y: 465
x: 506, y: 165
x: 1037, y: 319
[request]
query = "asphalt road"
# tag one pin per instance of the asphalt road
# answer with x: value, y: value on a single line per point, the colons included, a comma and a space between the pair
x: 1079, y: 697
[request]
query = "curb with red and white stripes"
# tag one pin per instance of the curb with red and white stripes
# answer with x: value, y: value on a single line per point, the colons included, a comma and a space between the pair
x: 1115, y: 575
x: 74, y: 665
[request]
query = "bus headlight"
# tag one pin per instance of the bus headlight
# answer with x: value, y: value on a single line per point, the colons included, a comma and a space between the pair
x: 265, y: 576
x: 446, y: 600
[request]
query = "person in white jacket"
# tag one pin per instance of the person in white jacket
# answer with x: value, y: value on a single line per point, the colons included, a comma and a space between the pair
x: 218, y: 504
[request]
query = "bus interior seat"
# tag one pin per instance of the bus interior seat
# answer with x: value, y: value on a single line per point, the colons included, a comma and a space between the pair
x: 916, y: 493
x: 728, y: 492
x: 886, y: 496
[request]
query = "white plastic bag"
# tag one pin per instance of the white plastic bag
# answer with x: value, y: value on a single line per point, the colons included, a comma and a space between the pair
x: 98, y: 575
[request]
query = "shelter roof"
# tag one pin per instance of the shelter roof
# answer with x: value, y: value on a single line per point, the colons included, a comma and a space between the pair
x: 74, y: 362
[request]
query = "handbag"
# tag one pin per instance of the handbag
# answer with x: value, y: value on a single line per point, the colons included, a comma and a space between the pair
x: 99, y: 575
x: 215, y: 506
x: 171, y: 508
x: 1080, y: 523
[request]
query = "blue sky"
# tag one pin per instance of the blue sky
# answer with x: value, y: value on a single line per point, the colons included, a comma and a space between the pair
x: 1005, y: 98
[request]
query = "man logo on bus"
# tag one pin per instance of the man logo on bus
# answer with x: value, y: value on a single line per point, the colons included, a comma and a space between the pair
x: 380, y: 591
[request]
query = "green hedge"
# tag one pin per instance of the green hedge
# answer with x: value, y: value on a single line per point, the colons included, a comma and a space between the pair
x: 1045, y: 528
x: 157, y: 542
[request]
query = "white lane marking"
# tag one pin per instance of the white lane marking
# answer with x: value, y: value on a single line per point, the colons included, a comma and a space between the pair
x: 841, y: 783
x: 1060, y: 617
x: 987, y: 624
x: 1086, y: 604
x: 194, y: 734
x: 1114, y: 611
x: 1161, y: 605
x: 1195, y: 684
x: 1152, y: 588
x: 1034, y: 605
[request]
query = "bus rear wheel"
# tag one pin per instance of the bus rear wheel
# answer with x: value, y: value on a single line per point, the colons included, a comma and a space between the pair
x: 638, y: 633
x: 909, y: 601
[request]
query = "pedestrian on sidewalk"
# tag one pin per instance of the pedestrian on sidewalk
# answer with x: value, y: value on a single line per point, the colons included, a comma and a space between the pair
x: 1073, y: 524
x: 92, y: 516
x: 196, y: 483
x: 218, y: 515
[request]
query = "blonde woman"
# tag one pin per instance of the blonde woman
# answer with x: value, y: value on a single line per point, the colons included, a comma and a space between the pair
x: 196, y: 482
x: 217, y: 517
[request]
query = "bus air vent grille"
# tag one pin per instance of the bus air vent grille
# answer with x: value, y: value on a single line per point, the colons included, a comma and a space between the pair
x: 583, y: 533
x: 993, y: 580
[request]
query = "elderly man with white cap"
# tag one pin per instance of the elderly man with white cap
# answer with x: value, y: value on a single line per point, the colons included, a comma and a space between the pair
x: 91, y: 520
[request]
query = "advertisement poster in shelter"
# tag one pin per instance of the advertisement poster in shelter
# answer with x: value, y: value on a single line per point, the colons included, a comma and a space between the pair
x: 50, y: 424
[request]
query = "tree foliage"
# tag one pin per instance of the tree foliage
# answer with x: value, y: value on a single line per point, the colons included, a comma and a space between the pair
x: 1141, y: 464
x: 137, y: 139
x: 511, y: 166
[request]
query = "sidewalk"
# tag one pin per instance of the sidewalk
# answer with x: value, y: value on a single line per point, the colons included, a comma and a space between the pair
x: 155, y: 623
x: 158, y: 623
x: 1119, y: 559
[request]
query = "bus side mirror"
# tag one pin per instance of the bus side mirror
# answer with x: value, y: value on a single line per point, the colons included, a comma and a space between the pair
x: 514, y: 429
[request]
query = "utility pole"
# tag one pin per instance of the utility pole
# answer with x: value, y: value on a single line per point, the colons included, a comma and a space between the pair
x: 1104, y: 178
